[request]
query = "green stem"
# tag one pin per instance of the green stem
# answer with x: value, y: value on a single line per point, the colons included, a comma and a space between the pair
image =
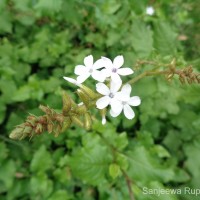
x: 148, y: 73
x: 128, y: 182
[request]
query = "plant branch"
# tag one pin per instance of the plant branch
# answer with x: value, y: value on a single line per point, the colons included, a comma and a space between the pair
x: 185, y: 75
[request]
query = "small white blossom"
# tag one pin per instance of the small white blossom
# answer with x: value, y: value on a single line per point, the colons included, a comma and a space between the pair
x: 125, y: 102
x: 71, y: 80
x: 114, y: 70
x: 89, y: 69
x: 110, y: 95
x: 150, y: 10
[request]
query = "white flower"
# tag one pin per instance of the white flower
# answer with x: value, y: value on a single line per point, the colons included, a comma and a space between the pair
x: 125, y: 102
x: 89, y: 69
x: 113, y: 69
x: 150, y: 10
x: 71, y: 80
x: 110, y: 95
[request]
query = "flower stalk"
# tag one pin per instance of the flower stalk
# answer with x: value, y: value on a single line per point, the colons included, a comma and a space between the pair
x: 79, y: 114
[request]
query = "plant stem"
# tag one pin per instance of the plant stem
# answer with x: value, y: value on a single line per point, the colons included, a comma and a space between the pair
x: 148, y: 73
x: 128, y: 182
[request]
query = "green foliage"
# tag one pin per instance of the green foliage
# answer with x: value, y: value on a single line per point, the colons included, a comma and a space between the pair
x: 40, y: 42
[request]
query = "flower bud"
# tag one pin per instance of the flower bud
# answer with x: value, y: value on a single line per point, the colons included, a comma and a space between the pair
x: 92, y: 95
x: 103, y: 115
x: 83, y: 96
x: 77, y: 121
x: 88, y: 121
x: 81, y: 109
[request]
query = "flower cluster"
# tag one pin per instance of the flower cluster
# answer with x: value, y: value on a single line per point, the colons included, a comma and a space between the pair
x: 109, y: 85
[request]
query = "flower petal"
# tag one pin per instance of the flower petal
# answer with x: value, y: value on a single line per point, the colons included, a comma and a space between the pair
x: 99, y: 64
x: 98, y: 75
x: 71, y: 80
x: 80, y: 69
x: 134, y: 101
x: 102, y: 89
x: 126, y: 89
x: 103, y: 102
x: 121, y: 96
x: 106, y: 72
x: 115, y: 86
x: 125, y: 71
x: 82, y: 78
x: 116, y: 78
x: 114, y: 114
x: 118, y: 61
x: 107, y: 62
x: 88, y: 61
x: 128, y: 112
x: 116, y: 105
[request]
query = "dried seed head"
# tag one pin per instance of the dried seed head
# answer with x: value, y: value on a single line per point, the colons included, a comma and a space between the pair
x: 18, y: 133
x: 38, y: 129
x: 50, y: 127
x: 66, y: 124
x: 57, y: 130
x: 59, y: 118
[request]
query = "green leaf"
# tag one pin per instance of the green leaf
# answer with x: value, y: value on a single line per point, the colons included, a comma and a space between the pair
x: 41, y: 160
x: 164, y: 38
x: 160, y: 151
x: 114, y: 170
x: 61, y: 175
x: 145, y: 167
x: 49, y: 5
x: 60, y: 195
x: 5, y: 21
x: 90, y: 164
x: 142, y: 40
x: 120, y: 141
x: 3, y: 151
x: 41, y: 186
x: 2, y: 111
x: 8, y: 88
x: 7, y: 173
x: 192, y: 152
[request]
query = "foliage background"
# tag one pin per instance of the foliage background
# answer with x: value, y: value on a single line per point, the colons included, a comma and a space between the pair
x: 42, y: 40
